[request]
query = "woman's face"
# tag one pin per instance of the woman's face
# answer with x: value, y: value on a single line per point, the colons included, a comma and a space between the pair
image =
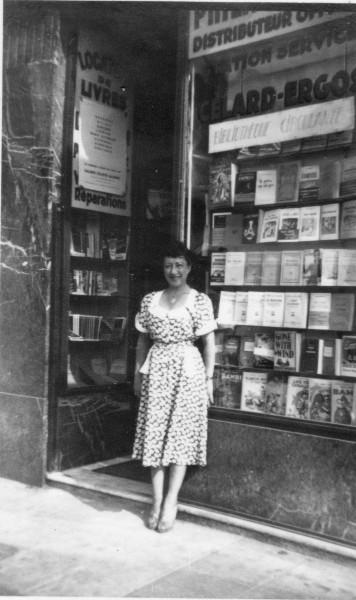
x: 176, y: 271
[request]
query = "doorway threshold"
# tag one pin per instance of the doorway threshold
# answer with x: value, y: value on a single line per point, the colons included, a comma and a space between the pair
x: 91, y: 477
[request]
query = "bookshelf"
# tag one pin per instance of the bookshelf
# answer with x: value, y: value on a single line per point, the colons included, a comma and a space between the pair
x: 98, y: 304
x: 281, y: 277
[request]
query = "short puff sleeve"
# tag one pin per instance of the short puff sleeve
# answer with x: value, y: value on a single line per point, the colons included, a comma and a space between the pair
x: 141, y: 318
x: 204, y: 321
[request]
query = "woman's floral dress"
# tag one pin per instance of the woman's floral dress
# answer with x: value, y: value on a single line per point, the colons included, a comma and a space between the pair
x: 172, y: 417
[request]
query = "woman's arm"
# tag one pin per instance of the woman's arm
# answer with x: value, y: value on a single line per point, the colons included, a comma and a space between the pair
x: 209, y: 361
x: 142, y: 347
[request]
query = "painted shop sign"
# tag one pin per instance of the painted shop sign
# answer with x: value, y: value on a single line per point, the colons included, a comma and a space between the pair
x: 212, y: 31
x: 282, y: 126
x: 100, y: 157
x: 292, y: 93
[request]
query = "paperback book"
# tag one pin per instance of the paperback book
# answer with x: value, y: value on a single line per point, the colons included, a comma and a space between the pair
x: 319, y: 310
x: 266, y: 187
x: 226, y: 310
x: 227, y: 387
x: 231, y: 350
x: 218, y: 230
x: 221, y: 175
x: 276, y: 393
x: 311, y: 273
x: 288, y: 182
x: 320, y: 400
x: 253, y: 268
x: 255, y: 302
x: 233, y: 231
x: 329, y: 221
x: 326, y: 356
x: 291, y: 267
x: 269, y: 226
x: 348, y: 356
x: 348, y: 176
x: 342, y: 312
x: 343, y: 410
x: 297, y: 397
x: 288, y: 228
x: 295, y: 310
x: 217, y: 268
x: 346, y: 268
x: 263, y: 351
x: 250, y: 228
x: 271, y: 268
x: 309, y: 223
x: 240, y: 312
x: 309, y: 355
x: 235, y: 268
x: 245, y: 187
x: 287, y: 350
x: 348, y: 220
x: 253, y: 394
x: 273, y: 309
x: 329, y: 266
x: 247, y: 346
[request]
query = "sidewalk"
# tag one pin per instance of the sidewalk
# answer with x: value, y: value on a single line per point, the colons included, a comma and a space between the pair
x: 57, y: 542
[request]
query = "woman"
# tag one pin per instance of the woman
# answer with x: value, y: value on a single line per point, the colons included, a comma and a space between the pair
x: 177, y: 383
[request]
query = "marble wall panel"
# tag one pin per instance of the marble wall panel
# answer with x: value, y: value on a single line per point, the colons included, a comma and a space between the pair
x: 283, y: 478
x: 23, y: 438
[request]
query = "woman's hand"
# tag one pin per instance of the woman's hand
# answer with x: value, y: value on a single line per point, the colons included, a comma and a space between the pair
x: 210, y: 388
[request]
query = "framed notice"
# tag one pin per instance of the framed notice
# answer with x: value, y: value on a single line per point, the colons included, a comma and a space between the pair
x: 101, y: 124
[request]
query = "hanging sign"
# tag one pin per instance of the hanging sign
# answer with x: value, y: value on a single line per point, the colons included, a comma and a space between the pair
x: 100, y: 157
x: 212, y: 31
x: 281, y: 126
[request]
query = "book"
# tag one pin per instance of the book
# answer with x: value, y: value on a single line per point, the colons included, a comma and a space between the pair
x: 348, y: 220
x: 253, y: 268
x: 311, y: 272
x: 250, y: 228
x: 320, y: 400
x: 346, y: 267
x: 276, y: 393
x: 271, y: 268
x: 254, y: 314
x: 245, y: 188
x: 218, y: 230
x: 319, y: 180
x: 319, y: 310
x: 288, y: 181
x: 240, y: 311
x: 342, y: 312
x: 348, y: 356
x: 309, y: 354
x: 253, y: 393
x: 273, y: 309
x: 309, y: 224
x: 348, y: 175
x: 247, y: 345
x: 287, y: 350
x: 343, y: 410
x: 295, y: 309
x: 219, y: 337
x: 291, y: 267
x: 235, y: 268
x: 297, y: 405
x: 329, y: 221
x: 329, y: 265
x: 227, y: 387
x: 230, y: 350
x: 326, y: 356
x: 266, y: 187
x: 269, y: 226
x: 233, y: 231
x: 217, y: 268
x: 263, y: 351
x: 222, y: 175
x: 226, y: 310
x: 288, y: 227
x: 107, y: 284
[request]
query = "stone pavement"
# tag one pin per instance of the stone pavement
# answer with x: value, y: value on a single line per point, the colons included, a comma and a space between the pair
x: 60, y: 542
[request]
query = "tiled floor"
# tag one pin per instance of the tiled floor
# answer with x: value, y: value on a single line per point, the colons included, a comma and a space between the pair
x: 70, y: 542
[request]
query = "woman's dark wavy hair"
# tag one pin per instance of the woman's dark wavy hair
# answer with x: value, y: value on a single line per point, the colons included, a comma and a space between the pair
x: 176, y: 249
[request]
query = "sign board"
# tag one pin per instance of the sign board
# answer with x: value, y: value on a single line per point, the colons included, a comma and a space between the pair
x: 281, y: 126
x: 100, y: 157
x: 215, y: 30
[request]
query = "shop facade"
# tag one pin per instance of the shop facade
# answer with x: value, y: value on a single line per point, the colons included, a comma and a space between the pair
x: 233, y: 130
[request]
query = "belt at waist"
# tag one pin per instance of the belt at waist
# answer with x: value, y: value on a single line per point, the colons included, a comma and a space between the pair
x: 190, y: 351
